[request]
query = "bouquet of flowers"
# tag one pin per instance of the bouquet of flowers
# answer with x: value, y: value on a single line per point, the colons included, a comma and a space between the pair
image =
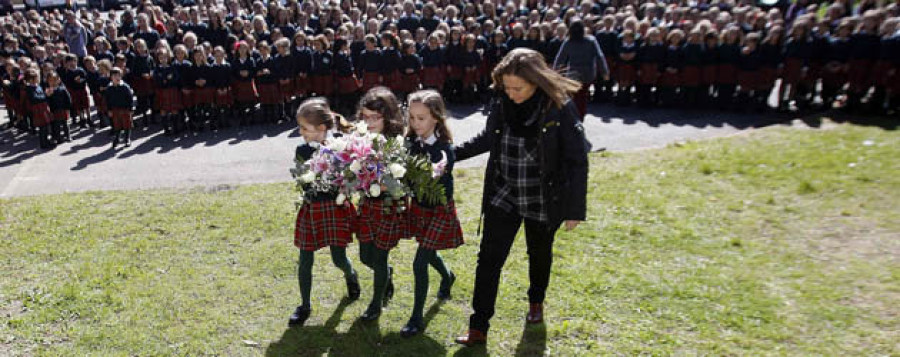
x: 363, y: 164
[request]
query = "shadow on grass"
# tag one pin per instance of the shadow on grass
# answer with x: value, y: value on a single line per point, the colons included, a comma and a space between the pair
x: 534, y: 340
x: 363, y: 338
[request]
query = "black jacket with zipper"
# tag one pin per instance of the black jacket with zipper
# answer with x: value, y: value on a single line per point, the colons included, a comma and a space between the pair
x: 562, y: 155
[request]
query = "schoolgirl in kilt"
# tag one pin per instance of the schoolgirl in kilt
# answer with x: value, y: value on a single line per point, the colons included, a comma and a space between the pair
x: 390, y: 61
x: 435, y: 227
x: 203, y: 89
x: 119, y: 97
x: 470, y: 61
x: 286, y: 72
x: 410, y: 69
x: 626, y: 66
x: 670, y: 78
x: 709, y: 62
x: 345, y: 76
x: 242, y: 85
x: 168, y: 92
x: 60, y: 102
x: 728, y: 54
x: 321, y: 221
x: 96, y: 81
x: 323, y: 67
x: 379, y: 226
x: 184, y: 70
x: 797, y: 51
x: 771, y: 64
x: 223, y: 107
x: 141, y: 79
x: 267, y: 84
x: 749, y: 68
x: 691, y: 72
x: 11, y: 93
x: 607, y: 37
x: 369, y: 66
x: 651, y: 55
x: 864, y: 46
x: 887, y: 78
x: 834, y: 74
x: 75, y: 80
x: 820, y: 43
x: 302, y: 65
x: 38, y: 108
x: 433, y: 71
x: 453, y: 58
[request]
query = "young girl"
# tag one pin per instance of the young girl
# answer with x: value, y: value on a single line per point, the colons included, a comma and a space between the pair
x: 321, y: 222
x: 390, y: 61
x: 710, y: 65
x: 184, y: 69
x: 347, y: 83
x: 75, y: 80
x: 749, y: 65
x: 410, y: 68
x: 243, y: 71
x: 303, y: 64
x: 690, y: 74
x: 626, y: 66
x: 323, y: 65
x: 267, y: 84
x: 141, y: 71
x: 119, y: 100
x: 221, y: 75
x: 369, y: 66
x: 433, y: 63
x: 38, y: 108
x: 168, y: 96
x: 285, y: 71
x: 728, y: 53
x: 651, y: 54
x: 797, y: 50
x: 435, y: 228
x: 204, y: 93
x: 470, y: 59
x: 60, y: 102
x: 670, y: 79
x: 11, y: 93
x: 380, y: 227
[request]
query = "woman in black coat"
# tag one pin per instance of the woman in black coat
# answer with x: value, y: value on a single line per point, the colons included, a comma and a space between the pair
x: 536, y: 175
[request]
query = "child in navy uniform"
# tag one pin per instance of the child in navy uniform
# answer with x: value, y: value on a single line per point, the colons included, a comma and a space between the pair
x: 267, y: 84
x: 60, y: 102
x: 435, y: 227
x: 141, y: 72
x: 410, y: 69
x: 390, y: 61
x: 38, y: 109
x: 321, y: 222
x: 322, y: 68
x: 221, y: 81
x: 626, y: 66
x: 369, y: 66
x: 119, y: 99
x: 433, y: 72
x: 651, y: 55
x: 75, y: 79
x: 728, y: 54
x: 243, y: 71
x: 168, y: 93
x: 347, y: 83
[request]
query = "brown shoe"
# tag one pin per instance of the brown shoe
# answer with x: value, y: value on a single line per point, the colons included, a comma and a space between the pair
x: 473, y: 337
x: 535, y: 313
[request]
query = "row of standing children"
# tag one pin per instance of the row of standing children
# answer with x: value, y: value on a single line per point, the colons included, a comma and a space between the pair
x: 378, y: 225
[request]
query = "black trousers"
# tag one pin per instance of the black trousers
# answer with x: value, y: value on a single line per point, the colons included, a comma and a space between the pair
x: 500, y: 229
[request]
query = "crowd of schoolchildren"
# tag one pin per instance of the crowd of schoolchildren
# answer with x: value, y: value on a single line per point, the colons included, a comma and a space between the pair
x: 212, y: 65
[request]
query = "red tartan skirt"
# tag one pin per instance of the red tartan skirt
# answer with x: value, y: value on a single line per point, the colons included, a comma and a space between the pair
x: 204, y: 96
x: 12, y: 104
x: 121, y: 118
x: 455, y: 73
x: 41, y: 115
x: 99, y: 102
x: 649, y: 73
x: 859, y: 74
x: 269, y: 93
x: 291, y: 88
x: 669, y: 79
x: 224, y: 97
x: 626, y: 73
x: 409, y: 82
x: 690, y: 76
x: 833, y: 78
x: 748, y: 80
x: 347, y: 84
x: 60, y: 115
x: 323, y: 224
x: 384, y: 228
x: 370, y: 80
x: 435, y: 228
x: 793, y: 70
x: 244, y: 91
x: 708, y: 74
x: 767, y: 78
x: 470, y: 77
x: 392, y: 80
x: 433, y: 77
x: 880, y: 74
x: 726, y: 74
x: 80, y: 99
x: 612, y: 65
x: 168, y: 100
x: 142, y: 86
x: 299, y: 87
x: 323, y: 84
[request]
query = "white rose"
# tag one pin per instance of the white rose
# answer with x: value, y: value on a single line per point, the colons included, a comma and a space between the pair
x: 355, y: 166
x: 397, y: 170
x: 375, y: 190
x: 308, y: 177
x: 340, y: 199
x: 362, y: 127
x: 338, y: 145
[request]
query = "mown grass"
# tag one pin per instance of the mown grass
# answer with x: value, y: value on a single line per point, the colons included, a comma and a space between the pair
x: 783, y: 241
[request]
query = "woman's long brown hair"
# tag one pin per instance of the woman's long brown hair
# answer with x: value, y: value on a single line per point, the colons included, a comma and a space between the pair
x: 529, y: 65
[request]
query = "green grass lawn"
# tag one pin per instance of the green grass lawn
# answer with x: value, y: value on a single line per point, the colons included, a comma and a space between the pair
x: 783, y: 241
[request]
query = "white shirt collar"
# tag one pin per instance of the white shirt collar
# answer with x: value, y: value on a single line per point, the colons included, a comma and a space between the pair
x: 315, y: 144
x: 429, y: 140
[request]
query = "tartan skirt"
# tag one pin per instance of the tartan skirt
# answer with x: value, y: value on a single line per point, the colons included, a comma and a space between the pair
x: 690, y: 76
x: 793, y: 70
x: 323, y: 84
x: 204, y: 96
x: 299, y: 87
x: 470, y: 77
x: 433, y: 77
x: 435, y: 228
x: 626, y: 73
x: 12, y: 103
x: 649, y: 73
x: 726, y: 73
x: 80, y: 99
x: 748, y: 79
x: 269, y: 93
x: 409, y: 82
x: 322, y: 224
x: 669, y: 79
x: 244, y: 91
x: 121, y: 118
x: 392, y: 80
x: 370, y: 80
x: 858, y: 74
x: 99, y: 102
x: 374, y: 224
x: 767, y: 77
x: 142, y: 86
x: 223, y: 97
x: 708, y: 74
x: 455, y: 72
x: 880, y: 74
x: 60, y: 115
x: 168, y: 100
x: 41, y: 115
x: 347, y: 84
x: 832, y: 77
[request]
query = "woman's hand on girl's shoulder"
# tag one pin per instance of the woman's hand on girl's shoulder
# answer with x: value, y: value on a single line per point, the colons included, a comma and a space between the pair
x: 570, y: 225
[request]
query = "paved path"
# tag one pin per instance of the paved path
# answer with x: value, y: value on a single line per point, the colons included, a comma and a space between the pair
x: 263, y: 153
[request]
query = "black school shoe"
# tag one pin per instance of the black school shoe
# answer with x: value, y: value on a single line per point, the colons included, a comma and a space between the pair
x: 353, y: 286
x: 299, y: 316
x: 412, y: 328
x: 371, y: 314
x: 446, y: 285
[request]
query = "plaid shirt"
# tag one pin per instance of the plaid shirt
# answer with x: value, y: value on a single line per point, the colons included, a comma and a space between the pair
x: 519, y: 178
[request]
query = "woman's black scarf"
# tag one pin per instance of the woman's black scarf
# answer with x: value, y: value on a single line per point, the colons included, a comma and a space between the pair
x: 522, y: 118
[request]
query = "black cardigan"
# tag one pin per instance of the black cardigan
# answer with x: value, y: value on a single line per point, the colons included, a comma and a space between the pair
x: 562, y: 156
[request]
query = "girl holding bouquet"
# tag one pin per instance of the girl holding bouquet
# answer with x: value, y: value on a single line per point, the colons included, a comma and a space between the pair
x: 380, y: 226
x: 435, y: 227
x: 321, y: 221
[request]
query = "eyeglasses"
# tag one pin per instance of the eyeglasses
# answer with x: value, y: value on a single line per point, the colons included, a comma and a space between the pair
x: 372, y: 118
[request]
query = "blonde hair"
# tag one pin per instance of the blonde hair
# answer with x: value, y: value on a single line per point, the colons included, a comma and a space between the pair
x: 432, y: 100
x: 529, y: 65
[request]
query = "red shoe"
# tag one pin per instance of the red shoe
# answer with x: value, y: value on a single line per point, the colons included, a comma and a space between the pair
x: 473, y: 337
x: 535, y: 313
